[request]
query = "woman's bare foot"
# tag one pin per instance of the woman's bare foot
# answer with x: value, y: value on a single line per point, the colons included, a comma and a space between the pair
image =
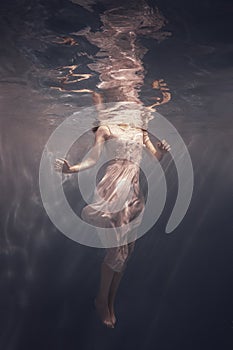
x: 112, y: 314
x: 104, y: 314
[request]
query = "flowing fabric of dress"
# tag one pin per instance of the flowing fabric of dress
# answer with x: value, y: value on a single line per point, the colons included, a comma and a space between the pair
x: 118, y: 202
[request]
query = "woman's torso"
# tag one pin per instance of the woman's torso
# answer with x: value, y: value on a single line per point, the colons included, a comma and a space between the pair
x: 125, y: 143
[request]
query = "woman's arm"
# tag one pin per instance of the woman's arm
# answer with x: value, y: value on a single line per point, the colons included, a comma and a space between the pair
x: 101, y: 135
x: 163, y: 146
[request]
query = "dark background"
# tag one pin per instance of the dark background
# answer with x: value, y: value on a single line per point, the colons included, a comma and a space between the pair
x: 177, y: 290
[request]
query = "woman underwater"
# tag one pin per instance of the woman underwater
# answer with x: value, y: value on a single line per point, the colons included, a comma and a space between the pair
x: 118, y: 201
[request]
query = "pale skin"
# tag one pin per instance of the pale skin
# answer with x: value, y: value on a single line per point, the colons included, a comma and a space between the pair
x: 110, y: 279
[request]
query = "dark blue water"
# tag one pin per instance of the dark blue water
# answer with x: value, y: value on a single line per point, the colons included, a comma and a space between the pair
x: 177, y: 290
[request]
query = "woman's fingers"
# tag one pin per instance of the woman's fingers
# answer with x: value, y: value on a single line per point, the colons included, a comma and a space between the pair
x: 165, y: 146
x: 62, y: 160
x: 59, y: 163
x: 58, y: 166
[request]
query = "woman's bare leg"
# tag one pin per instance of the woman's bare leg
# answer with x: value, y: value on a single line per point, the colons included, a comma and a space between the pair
x: 117, y: 278
x: 101, y: 301
x: 112, y: 294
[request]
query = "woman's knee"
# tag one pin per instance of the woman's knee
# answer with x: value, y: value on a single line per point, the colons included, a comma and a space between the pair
x: 126, y: 253
x: 117, y: 257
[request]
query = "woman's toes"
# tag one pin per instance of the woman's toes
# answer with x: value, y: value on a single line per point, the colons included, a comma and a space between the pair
x: 104, y: 314
x: 109, y: 324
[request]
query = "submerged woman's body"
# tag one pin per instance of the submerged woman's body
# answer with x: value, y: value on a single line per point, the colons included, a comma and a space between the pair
x: 118, y: 202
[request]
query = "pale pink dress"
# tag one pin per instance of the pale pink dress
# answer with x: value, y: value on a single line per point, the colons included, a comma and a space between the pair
x: 118, y: 200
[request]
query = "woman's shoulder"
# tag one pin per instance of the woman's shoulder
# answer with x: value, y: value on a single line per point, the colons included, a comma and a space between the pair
x: 103, y: 130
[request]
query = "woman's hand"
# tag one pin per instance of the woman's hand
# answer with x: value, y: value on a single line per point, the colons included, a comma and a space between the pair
x: 61, y: 164
x: 164, y: 146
